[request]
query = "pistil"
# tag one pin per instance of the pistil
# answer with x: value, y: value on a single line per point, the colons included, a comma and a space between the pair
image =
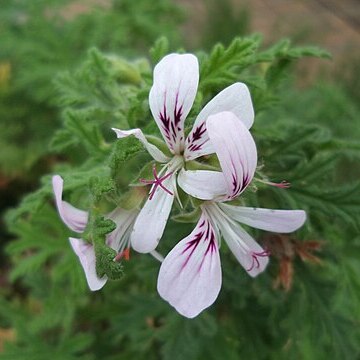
x: 158, y: 181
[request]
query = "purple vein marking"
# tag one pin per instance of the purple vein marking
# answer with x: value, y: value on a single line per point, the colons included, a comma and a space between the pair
x: 255, y: 261
x: 177, y: 112
x: 237, y: 186
x: 199, y: 131
x: 172, y: 128
x: 207, y: 234
x: 196, y: 136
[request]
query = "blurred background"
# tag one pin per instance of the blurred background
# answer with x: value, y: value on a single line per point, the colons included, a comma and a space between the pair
x: 40, y: 39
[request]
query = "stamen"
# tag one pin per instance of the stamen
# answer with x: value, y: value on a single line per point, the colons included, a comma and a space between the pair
x: 157, y: 182
x: 282, y: 185
x: 255, y: 260
x: 123, y: 254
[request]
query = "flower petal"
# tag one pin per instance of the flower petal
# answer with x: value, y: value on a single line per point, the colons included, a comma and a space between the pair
x: 124, y: 219
x: 75, y: 219
x: 86, y: 254
x: 190, y: 276
x: 151, y: 221
x: 247, y: 251
x: 235, y: 149
x: 203, y: 184
x: 280, y: 221
x: 171, y: 97
x: 236, y: 99
x: 155, y: 152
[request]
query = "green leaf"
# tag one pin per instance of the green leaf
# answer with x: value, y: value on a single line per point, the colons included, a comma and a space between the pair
x: 223, y: 65
x: 78, y: 124
x: 159, y: 50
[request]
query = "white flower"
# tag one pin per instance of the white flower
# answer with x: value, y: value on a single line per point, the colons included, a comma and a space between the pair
x: 76, y: 220
x: 171, y: 97
x: 190, y: 276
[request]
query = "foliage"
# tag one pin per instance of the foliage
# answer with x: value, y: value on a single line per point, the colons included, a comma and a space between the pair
x: 41, y: 38
x: 227, y: 19
x: 252, y: 318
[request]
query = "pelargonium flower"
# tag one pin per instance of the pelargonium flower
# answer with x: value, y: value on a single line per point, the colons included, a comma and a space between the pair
x: 76, y: 220
x: 171, y: 97
x: 190, y: 276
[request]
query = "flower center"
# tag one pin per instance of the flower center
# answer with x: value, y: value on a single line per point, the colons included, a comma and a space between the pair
x: 255, y: 261
x: 158, y: 181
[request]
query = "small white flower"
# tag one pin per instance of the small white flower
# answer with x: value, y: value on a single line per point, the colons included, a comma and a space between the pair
x: 76, y: 220
x: 190, y: 276
x: 171, y: 97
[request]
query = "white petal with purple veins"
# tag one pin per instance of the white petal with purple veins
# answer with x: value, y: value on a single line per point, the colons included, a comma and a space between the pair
x: 190, y: 276
x: 235, y: 149
x: 151, y: 221
x: 75, y: 219
x: 247, y: 251
x: 255, y: 260
x: 236, y: 99
x: 155, y: 152
x: 203, y: 184
x: 86, y: 254
x: 124, y: 220
x: 171, y: 97
x: 280, y: 221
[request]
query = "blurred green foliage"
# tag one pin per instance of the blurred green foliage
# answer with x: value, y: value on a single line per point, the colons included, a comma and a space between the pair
x: 223, y: 22
x: 41, y: 38
x: 54, y: 315
x: 305, y: 306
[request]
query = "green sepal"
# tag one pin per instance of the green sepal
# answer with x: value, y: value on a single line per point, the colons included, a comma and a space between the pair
x: 100, y: 186
x: 183, y: 197
x: 196, y: 165
x: 196, y: 203
x: 105, y: 264
x: 145, y: 173
x: 160, y: 144
x: 124, y: 150
x: 96, y: 233
x: 125, y: 71
x: 191, y: 217
x: 133, y: 198
x: 97, y: 228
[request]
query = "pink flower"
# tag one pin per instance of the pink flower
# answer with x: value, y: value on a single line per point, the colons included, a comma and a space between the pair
x: 171, y: 97
x: 76, y: 220
x: 190, y: 276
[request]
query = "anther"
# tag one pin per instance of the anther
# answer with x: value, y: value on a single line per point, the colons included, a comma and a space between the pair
x: 123, y: 254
